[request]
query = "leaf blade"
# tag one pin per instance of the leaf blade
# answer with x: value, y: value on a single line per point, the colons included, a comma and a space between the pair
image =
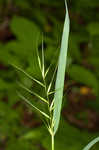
x: 61, y: 73
x: 91, y: 143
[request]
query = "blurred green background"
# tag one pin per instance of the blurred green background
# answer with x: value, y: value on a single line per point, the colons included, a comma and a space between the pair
x: 22, y: 23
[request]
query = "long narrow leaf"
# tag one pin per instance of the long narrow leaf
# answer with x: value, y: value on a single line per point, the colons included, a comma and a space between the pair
x: 27, y: 101
x: 30, y: 77
x: 91, y: 144
x: 61, y: 73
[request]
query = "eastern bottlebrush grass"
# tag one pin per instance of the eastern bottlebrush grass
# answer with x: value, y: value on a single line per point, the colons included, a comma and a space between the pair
x: 54, y: 106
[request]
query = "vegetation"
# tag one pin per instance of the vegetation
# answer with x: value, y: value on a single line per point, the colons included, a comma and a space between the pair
x: 22, y: 24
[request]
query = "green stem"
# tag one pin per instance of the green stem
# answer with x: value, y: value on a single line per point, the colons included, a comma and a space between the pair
x: 52, y: 136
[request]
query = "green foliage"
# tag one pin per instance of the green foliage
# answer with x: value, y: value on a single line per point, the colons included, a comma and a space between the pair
x: 29, y: 35
x: 93, y: 28
x: 84, y: 76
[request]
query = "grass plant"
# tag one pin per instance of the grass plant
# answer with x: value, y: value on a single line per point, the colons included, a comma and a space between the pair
x: 54, y: 106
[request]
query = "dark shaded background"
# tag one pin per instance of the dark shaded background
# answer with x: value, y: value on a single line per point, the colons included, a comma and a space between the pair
x: 22, y: 23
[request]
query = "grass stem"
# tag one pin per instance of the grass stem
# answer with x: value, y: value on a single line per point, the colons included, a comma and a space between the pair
x: 52, y: 136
